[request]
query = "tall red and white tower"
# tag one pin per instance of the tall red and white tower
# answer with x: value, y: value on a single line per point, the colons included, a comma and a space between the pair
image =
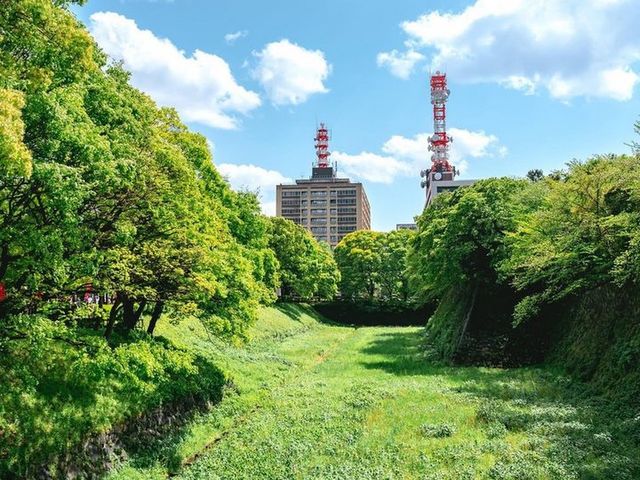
x: 322, y: 169
x: 439, y: 142
x: 322, y: 146
x: 440, y: 177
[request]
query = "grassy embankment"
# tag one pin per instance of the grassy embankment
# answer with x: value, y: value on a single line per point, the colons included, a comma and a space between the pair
x: 313, y: 400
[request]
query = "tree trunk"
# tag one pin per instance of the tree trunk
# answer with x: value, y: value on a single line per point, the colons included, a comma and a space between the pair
x: 112, y: 317
x: 155, y: 316
x: 4, y: 260
x: 128, y: 314
x: 138, y: 313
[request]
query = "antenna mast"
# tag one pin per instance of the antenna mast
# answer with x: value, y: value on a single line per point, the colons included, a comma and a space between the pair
x: 439, y: 141
x: 322, y: 146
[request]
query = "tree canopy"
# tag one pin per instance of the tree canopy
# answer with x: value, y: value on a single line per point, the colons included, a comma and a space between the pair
x: 101, y: 189
x: 307, y: 268
x: 373, y: 265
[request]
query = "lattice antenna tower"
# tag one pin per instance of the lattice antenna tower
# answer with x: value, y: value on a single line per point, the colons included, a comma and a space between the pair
x: 439, y: 141
x: 322, y: 146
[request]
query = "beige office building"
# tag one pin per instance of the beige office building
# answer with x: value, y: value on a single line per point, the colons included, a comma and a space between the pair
x: 327, y: 206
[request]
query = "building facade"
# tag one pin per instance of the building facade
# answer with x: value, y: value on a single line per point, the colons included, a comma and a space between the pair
x: 406, y: 226
x: 438, y: 183
x: 329, y: 208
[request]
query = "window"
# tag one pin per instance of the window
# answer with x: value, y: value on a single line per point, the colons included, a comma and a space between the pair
x: 318, y: 229
x: 318, y: 211
x: 320, y: 203
x: 318, y: 221
x: 347, y: 193
x: 347, y: 210
x: 292, y: 193
x: 291, y: 211
x: 318, y: 193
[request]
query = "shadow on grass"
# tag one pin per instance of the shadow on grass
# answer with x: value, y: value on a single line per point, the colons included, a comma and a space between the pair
x: 570, y: 426
x: 374, y: 314
x: 295, y: 311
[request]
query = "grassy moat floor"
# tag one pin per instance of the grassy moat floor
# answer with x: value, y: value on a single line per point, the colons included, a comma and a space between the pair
x: 310, y: 400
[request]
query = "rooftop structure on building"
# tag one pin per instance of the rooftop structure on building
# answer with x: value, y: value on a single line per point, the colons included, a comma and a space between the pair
x: 406, y: 226
x: 328, y: 206
x: 440, y: 177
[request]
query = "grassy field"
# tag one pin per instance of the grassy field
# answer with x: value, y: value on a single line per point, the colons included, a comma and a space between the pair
x: 311, y: 400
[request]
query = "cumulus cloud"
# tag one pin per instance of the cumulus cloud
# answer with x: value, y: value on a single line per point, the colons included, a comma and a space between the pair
x: 370, y: 166
x: 200, y: 86
x: 466, y: 145
x: 290, y: 73
x: 255, y: 179
x: 570, y: 48
x: 231, y: 38
x: 408, y: 155
x: 399, y: 64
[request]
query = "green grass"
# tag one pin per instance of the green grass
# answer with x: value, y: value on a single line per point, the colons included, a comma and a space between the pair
x: 60, y: 386
x: 320, y: 401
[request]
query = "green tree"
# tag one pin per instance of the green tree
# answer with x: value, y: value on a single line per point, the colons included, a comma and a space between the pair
x: 535, y: 175
x: 359, y: 258
x: 462, y: 236
x: 586, y: 234
x: 120, y: 194
x: 373, y: 265
x: 392, y: 275
x: 307, y: 268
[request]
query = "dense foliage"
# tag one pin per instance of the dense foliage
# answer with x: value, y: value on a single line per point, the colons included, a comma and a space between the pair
x: 529, y: 249
x: 586, y: 234
x: 112, y: 216
x: 373, y: 266
x: 307, y: 268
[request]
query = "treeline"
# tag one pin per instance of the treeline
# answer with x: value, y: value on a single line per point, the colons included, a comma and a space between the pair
x: 509, y: 256
x: 113, y: 216
x: 101, y: 191
x: 373, y: 267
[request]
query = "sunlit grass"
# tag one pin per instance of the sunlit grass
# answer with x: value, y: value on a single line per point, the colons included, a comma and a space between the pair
x: 314, y: 401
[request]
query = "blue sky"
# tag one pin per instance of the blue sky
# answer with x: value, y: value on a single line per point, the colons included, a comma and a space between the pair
x: 533, y: 84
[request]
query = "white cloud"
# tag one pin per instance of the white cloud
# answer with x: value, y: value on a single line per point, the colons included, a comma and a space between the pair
x: 231, y: 38
x: 570, y: 48
x: 269, y: 208
x: 290, y: 73
x: 255, y: 179
x: 409, y: 155
x: 399, y: 64
x: 370, y: 166
x: 201, y: 86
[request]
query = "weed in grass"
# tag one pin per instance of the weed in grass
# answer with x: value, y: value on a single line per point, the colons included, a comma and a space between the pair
x: 496, y: 430
x: 440, y: 430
